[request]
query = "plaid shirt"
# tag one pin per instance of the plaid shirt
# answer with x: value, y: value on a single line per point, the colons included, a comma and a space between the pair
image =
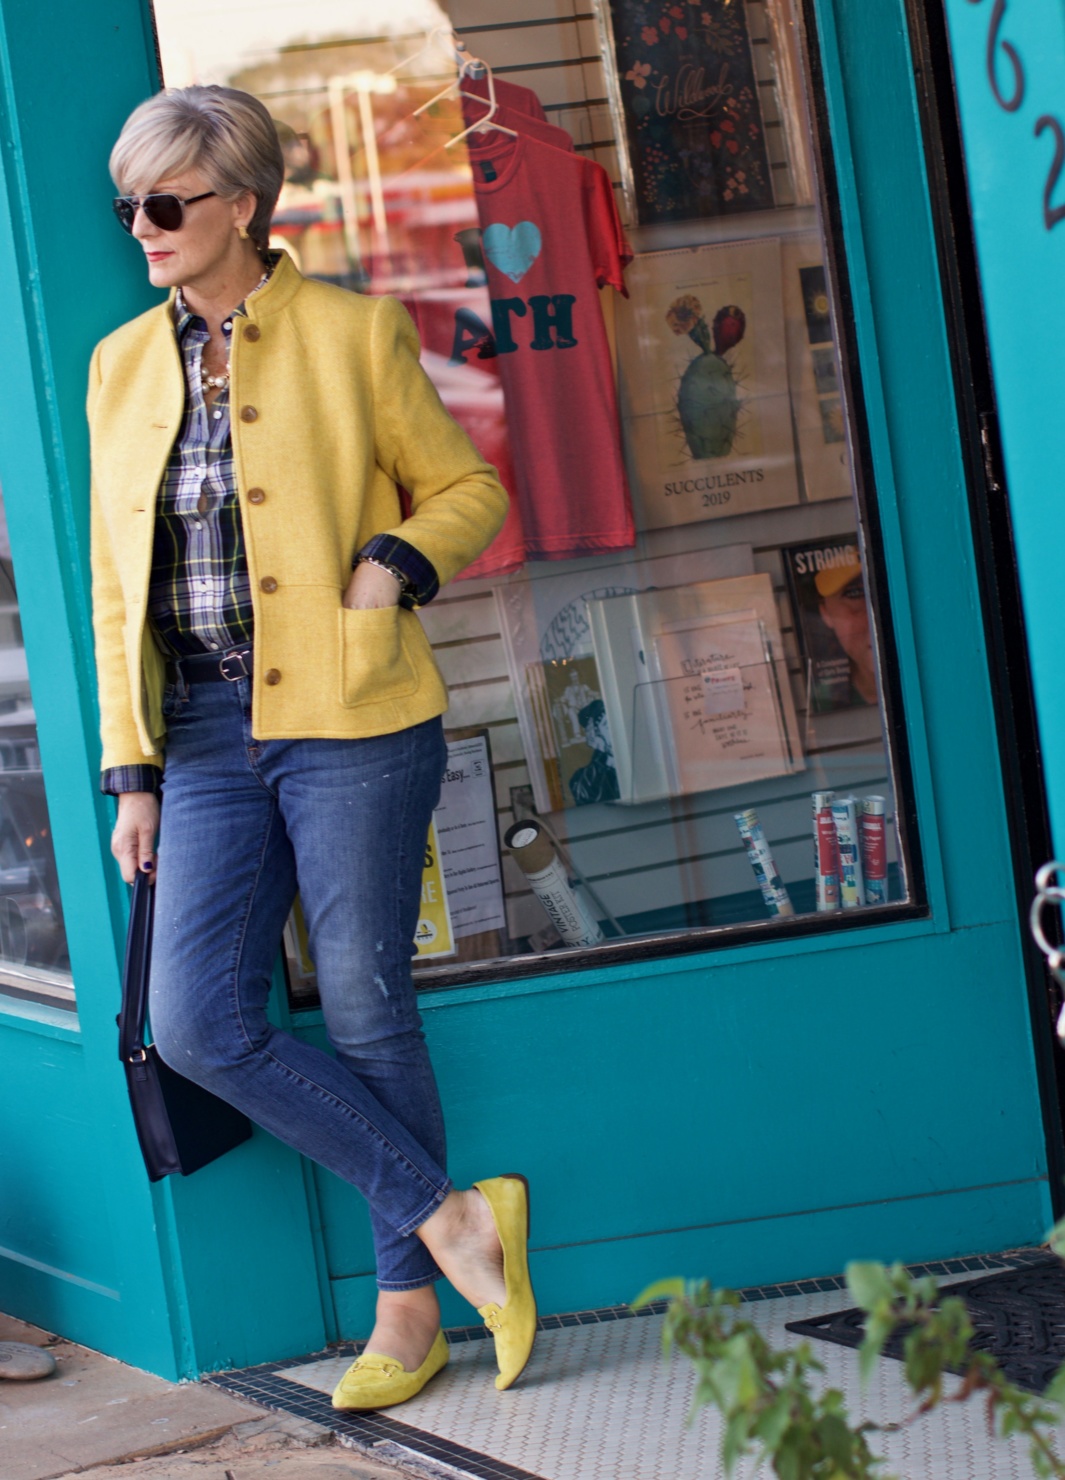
x: 199, y: 594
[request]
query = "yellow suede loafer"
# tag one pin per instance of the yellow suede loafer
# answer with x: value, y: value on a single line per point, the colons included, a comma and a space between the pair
x: 513, y: 1324
x: 376, y: 1381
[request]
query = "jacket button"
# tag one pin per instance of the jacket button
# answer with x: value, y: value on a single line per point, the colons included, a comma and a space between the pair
x: 256, y: 496
x: 252, y: 332
x: 272, y: 676
x: 267, y: 584
x: 248, y: 413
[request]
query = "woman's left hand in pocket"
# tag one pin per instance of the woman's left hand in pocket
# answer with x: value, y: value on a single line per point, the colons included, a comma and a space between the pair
x: 370, y: 586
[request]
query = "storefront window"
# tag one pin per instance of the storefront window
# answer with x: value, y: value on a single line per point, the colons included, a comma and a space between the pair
x: 33, y: 945
x: 667, y: 713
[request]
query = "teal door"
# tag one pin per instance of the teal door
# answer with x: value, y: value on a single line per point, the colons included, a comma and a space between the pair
x: 756, y: 1111
x: 1009, y: 74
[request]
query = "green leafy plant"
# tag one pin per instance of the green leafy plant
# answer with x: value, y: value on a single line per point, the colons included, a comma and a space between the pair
x: 774, y: 1409
x: 938, y: 1335
x: 765, y: 1396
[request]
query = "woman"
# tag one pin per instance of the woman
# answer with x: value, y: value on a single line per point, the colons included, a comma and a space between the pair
x: 254, y: 582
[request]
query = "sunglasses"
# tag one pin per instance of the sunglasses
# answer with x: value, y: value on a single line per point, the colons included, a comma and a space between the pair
x: 165, y: 211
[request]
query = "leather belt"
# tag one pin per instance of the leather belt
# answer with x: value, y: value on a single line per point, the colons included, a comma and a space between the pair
x: 218, y: 667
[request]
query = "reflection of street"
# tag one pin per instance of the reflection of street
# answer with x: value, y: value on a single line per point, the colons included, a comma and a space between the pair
x: 31, y: 919
x: 371, y: 199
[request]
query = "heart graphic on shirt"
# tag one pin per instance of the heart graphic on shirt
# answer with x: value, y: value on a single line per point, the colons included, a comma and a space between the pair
x: 513, y: 249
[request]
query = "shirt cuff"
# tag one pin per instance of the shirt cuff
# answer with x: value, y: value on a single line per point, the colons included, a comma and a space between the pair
x: 419, y: 573
x: 118, y: 779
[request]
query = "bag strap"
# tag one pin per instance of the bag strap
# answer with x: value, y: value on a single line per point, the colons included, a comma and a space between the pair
x: 134, y: 1011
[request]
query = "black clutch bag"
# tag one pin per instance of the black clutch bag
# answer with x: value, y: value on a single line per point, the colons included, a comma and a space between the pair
x: 180, y: 1126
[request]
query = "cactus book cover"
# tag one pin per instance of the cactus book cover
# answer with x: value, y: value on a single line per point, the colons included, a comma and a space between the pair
x: 703, y: 373
x: 693, y: 121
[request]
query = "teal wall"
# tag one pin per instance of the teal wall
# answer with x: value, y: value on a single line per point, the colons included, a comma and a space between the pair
x: 754, y: 1113
x: 1012, y: 182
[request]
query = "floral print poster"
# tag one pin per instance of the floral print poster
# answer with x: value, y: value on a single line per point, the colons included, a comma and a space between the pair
x: 694, y: 124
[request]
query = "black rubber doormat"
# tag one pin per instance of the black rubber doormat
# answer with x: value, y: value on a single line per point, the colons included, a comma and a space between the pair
x: 1018, y: 1317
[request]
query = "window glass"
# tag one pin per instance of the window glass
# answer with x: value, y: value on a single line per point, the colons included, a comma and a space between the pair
x: 33, y: 943
x: 667, y: 713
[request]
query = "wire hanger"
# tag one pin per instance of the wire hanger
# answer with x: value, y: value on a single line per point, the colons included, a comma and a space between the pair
x: 445, y: 36
x: 469, y: 64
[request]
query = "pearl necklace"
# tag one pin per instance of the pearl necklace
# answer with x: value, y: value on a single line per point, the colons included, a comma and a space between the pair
x: 214, y: 382
x: 219, y: 382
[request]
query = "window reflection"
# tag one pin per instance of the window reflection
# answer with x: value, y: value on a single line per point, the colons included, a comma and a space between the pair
x: 33, y: 945
x: 664, y: 672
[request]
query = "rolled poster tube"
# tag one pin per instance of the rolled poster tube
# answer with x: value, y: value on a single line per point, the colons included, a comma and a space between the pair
x: 826, y: 851
x: 535, y: 855
x: 761, y: 860
x: 872, y: 824
x: 851, y: 886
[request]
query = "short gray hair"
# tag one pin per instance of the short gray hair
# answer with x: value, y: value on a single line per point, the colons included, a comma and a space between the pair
x: 226, y: 134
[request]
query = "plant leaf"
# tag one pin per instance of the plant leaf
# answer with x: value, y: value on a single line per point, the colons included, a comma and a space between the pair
x: 869, y: 1284
x: 734, y: 1443
x: 877, y: 1330
x: 660, y: 1290
x: 1056, y: 1238
x: 836, y: 1440
x: 1055, y: 1392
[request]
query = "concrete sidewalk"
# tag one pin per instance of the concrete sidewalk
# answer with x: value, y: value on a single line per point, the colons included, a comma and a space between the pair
x: 102, y: 1420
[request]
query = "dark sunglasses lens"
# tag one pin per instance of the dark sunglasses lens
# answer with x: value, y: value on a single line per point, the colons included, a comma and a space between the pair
x: 164, y: 211
x: 125, y: 211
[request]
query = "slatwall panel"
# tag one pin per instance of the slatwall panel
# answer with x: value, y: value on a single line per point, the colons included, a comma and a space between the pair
x: 772, y: 113
x: 555, y: 47
x: 656, y: 855
x: 641, y: 858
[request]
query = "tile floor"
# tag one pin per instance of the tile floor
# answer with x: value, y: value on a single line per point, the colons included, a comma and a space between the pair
x: 599, y: 1401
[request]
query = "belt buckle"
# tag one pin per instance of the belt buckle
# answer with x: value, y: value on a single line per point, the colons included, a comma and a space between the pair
x: 244, y: 672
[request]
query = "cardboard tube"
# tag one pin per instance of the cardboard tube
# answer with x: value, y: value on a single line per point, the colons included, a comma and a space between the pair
x: 535, y: 855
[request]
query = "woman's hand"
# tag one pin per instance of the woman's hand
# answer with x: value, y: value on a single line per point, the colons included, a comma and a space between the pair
x: 133, y: 840
x: 371, y: 586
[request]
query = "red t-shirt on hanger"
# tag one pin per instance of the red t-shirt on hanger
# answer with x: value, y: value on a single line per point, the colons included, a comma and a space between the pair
x: 551, y: 239
x: 508, y: 95
x: 520, y: 123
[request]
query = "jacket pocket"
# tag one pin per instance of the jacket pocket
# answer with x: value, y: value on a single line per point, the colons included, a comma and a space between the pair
x: 375, y: 665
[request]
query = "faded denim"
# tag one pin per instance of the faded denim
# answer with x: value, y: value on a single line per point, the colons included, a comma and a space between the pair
x: 246, y: 823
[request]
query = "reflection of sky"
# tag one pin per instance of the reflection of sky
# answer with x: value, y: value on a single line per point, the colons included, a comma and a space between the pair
x: 205, y: 40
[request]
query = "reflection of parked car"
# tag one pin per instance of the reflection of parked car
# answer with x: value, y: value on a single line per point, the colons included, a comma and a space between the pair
x: 31, y: 918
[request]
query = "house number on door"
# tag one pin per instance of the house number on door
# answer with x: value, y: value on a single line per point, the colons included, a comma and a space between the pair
x: 1002, y: 54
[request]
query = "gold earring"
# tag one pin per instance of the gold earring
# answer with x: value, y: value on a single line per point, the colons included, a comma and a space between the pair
x: 242, y: 232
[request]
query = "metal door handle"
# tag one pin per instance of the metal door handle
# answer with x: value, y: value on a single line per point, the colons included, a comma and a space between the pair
x: 1049, y: 893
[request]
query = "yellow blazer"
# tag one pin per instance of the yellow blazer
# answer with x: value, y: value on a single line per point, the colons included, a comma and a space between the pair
x: 330, y: 412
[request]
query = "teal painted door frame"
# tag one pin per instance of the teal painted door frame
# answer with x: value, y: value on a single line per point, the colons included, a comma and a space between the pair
x: 1009, y: 80
x: 753, y: 1113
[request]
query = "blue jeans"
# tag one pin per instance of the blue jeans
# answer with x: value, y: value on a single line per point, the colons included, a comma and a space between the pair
x: 245, y: 823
